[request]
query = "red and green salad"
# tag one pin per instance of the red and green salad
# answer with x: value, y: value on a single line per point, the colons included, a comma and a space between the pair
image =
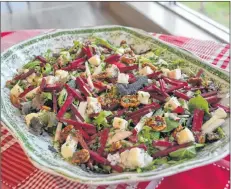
x: 111, y: 109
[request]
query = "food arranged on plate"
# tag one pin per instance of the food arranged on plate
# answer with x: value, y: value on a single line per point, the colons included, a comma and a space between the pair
x: 112, y: 109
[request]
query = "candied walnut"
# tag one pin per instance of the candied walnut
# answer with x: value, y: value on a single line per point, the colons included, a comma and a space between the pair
x: 154, y: 68
x: 157, y: 123
x: 81, y: 156
x: 130, y: 101
x: 123, y: 42
x: 175, y: 131
x: 60, y: 61
x: 115, y: 146
x: 108, y: 101
x: 83, y: 74
x: 103, y: 75
x: 15, y: 101
x: 195, y: 81
x: 128, y: 60
x: 47, y: 108
x: 65, y: 132
x: 201, y: 139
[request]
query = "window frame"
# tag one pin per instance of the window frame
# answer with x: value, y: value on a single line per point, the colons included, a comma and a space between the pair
x: 198, y: 19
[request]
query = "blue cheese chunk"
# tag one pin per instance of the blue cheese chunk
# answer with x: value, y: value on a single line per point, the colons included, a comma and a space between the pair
x: 123, y: 78
x: 135, y: 158
x: 143, y: 97
x: 69, y: 147
x: 93, y: 105
x: 94, y: 60
x: 119, y: 123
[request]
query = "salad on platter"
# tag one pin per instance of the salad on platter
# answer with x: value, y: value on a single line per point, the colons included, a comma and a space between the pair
x: 112, y: 109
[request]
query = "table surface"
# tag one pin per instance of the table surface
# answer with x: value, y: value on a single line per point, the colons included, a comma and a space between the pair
x: 18, y: 172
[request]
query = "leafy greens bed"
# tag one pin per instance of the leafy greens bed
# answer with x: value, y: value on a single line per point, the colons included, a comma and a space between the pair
x: 112, y: 109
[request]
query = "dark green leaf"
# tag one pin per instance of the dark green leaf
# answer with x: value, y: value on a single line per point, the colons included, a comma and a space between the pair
x: 171, y: 124
x: 182, y: 153
x: 198, y: 102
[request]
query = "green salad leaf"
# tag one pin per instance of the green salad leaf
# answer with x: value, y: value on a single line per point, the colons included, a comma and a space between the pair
x: 32, y: 64
x: 100, y: 41
x: 62, y: 97
x: 198, y: 102
x: 101, y: 120
x: 147, y: 135
x: 171, y: 124
x: 46, y: 96
x: 182, y: 153
x: 47, y: 69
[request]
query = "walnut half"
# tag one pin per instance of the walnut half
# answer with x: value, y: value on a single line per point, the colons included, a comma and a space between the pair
x: 81, y: 156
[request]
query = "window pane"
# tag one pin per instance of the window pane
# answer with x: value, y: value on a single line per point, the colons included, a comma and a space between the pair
x: 217, y: 11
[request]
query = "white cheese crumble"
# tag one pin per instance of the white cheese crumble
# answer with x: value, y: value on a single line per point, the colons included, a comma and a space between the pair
x: 143, y: 97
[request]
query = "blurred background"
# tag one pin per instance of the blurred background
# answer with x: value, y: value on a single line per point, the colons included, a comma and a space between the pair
x: 202, y: 20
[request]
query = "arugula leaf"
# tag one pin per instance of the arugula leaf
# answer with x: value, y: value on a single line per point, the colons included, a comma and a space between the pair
x: 100, y: 41
x: 147, y: 135
x: 32, y: 64
x: 198, y: 145
x: 46, y: 96
x: 47, y: 69
x: 47, y: 54
x: 160, y: 161
x: 62, y: 97
x: 171, y: 124
x: 198, y: 102
x: 182, y: 153
x: 101, y: 120
x: 220, y: 132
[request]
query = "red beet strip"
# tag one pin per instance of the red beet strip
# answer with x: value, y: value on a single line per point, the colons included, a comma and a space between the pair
x: 82, y: 87
x: 199, y: 73
x: 227, y: 109
x: 213, y: 99
x: 53, y: 87
x: 103, y: 140
x: 84, y: 134
x: 42, y: 84
x: 87, y: 51
x: 181, y: 95
x: 180, y: 86
x: 24, y: 75
x: 27, y: 90
x: 162, y: 85
x: 143, y: 146
x: 128, y: 68
x: 112, y: 58
x: 42, y: 59
x: 179, y: 110
x: 154, y: 75
x: 74, y: 64
x: 198, y: 116
x: 65, y: 106
x: 140, y: 114
x: 75, y: 94
x: 152, y: 88
x: 170, y: 81
x: 76, y: 112
x: 197, y: 88
x: 152, y: 106
x: 169, y: 150
x: 78, y: 124
x: 162, y: 143
x: 81, y: 141
x: 54, y: 100
x: 158, y: 97
x: 99, y: 159
x: 212, y: 93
